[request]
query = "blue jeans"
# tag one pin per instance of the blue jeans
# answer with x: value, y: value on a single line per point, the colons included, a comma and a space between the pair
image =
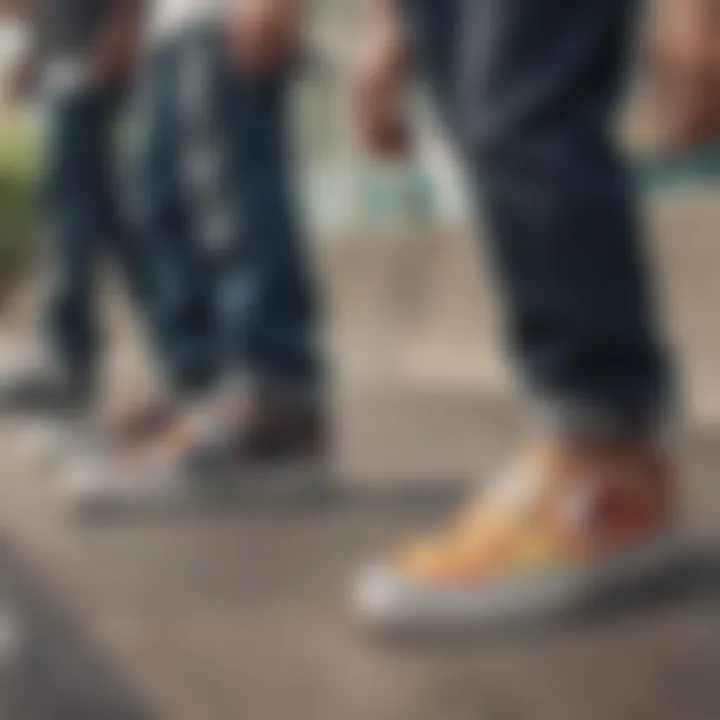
x: 528, y: 89
x: 214, y: 181
x: 81, y: 208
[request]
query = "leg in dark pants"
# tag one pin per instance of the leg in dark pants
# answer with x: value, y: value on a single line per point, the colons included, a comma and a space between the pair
x: 182, y: 303
x: 533, y: 91
x: 81, y: 207
x: 217, y: 184
x: 240, y: 174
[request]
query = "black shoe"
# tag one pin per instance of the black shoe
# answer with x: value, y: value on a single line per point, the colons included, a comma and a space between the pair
x: 273, y: 441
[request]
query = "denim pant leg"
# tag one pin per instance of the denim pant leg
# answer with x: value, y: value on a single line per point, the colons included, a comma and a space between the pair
x: 122, y: 244
x: 536, y: 85
x: 241, y: 174
x: 432, y: 26
x: 73, y: 202
x: 180, y: 303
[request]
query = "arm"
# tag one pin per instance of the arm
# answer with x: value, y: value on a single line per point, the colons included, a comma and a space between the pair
x: 384, y: 14
x: 381, y: 79
x: 25, y: 70
x: 686, y: 70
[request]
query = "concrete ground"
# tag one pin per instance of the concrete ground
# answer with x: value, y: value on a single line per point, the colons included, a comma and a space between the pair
x: 246, y: 615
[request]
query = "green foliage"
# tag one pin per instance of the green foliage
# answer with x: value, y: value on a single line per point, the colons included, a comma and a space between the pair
x: 17, y: 188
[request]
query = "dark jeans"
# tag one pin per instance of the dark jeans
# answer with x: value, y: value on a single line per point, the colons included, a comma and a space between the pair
x: 81, y: 201
x: 214, y: 188
x: 528, y: 89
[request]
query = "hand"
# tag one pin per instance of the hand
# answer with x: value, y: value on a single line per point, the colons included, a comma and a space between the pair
x: 264, y: 35
x: 115, y: 53
x: 378, y: 89
x: 111, y: 68
x: 686, y: 71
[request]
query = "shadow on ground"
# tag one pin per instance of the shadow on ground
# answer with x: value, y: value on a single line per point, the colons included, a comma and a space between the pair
x: 48, y: 669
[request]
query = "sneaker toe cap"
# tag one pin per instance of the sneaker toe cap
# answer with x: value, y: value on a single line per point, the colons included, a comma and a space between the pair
x: 380, y: 594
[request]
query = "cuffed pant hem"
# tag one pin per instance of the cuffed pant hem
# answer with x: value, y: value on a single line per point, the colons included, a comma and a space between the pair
x: 587, y: 420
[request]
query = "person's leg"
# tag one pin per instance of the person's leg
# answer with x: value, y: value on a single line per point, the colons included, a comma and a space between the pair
x: 265, y: 432
x: 72, y: 219
x: 589, y: 505
x: 149, y: 231
x: 180, y: 304
x: 268, y: 307
x: 528, y: 91
x: 122, y: 240
x: 433, y: 32
x: 278, y: 335
x: 539, y: 84
x: 72, y: 216
x: 125, y: 243
x: 241, y: 179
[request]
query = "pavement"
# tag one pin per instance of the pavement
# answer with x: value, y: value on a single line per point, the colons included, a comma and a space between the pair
x: 47, y: 667
x: 245, y: 615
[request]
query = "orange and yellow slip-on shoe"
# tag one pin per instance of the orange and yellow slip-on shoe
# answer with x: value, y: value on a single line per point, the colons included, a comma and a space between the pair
x: 560, y: 526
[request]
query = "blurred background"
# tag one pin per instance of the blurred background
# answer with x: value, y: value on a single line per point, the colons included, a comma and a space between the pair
x: 394, y: 242
x: 191, y: 620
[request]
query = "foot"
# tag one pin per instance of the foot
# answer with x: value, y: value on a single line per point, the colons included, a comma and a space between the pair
x: 563, y: 525
x: 269, y: 452
x: 44, y: 393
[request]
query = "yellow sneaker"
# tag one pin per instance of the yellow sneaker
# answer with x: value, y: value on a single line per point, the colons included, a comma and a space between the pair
x: 562, y: 524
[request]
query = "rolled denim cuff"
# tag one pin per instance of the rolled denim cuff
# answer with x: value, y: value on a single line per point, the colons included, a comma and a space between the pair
x: 590, y: 420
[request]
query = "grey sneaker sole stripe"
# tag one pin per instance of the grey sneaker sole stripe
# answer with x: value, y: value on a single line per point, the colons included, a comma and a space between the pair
x: 385, y: 602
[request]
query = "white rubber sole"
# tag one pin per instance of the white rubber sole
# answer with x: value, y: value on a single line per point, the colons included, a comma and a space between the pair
x: 385, y: 601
